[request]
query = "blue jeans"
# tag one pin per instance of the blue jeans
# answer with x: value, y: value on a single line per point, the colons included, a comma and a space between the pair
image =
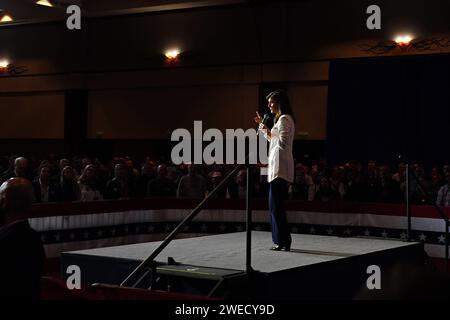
x: 278, y: 193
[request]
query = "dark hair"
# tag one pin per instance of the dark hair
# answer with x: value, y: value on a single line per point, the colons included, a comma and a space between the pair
x: 280, y: 97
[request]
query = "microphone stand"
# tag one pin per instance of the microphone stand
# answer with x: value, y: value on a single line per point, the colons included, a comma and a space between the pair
x: 407, y: 202
x: 408, y: 206
x: 430, y: 202
x: 248, y: 205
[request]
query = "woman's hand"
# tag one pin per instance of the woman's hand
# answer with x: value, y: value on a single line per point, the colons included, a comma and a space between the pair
x: 258, y: 118
x: 263, y: 127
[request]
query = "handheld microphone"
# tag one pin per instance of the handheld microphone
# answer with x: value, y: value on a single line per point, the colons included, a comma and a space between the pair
x: 265, y: 119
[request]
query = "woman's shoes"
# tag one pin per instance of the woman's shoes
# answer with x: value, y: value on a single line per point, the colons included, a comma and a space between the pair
x: 279, y: 248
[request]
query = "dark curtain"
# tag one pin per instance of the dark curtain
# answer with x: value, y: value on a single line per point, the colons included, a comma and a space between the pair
x: 380, y: 109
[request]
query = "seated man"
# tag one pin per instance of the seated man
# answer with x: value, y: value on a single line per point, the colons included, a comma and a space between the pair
x: 443, y: 198
x: 20, y: 170
x: 21, y: 251
x: 161, y: 186
x: 45, y: 190
x: 119, y: 186
x: 192, y: 185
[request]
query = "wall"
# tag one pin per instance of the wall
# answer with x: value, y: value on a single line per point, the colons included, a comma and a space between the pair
x: 155, y: 113
x: 222, y: 97
x: 227, y: 53
x: 37, y: 116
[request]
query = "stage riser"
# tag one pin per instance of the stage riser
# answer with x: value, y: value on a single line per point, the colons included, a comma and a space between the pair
x: 344, y: 278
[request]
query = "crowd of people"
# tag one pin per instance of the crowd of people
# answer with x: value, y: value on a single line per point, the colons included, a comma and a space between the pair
x: 86, y: 179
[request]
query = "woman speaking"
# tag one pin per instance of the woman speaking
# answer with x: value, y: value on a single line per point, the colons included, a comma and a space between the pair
x: 280, y: 165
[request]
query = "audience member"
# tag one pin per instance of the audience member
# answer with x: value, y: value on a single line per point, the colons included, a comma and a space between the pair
x: 88, y: 185
x: 238, y: 188
x: 302, y: 183
x: 443, y: 197
x: 147, y: 174
x: 419, y: 186
x: 325, y: 193
x: 20, y: 170
x: 63, y: 163
x: 390, y: 189
x: 314, y: 187
x: 372, y: 183
x: 354, y: 184
x: 192, y: 185
x: 161, y: 186
x: 214, y: 180
x: 70, y: 189
x: 118, y: 187
x: 45, y: 190
x: 22, y: 253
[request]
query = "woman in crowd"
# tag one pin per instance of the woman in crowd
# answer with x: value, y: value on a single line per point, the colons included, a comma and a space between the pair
x: 70, y: 190
x: 88, y: 185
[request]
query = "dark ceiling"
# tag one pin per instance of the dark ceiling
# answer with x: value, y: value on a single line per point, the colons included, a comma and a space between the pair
x: 27, y: 11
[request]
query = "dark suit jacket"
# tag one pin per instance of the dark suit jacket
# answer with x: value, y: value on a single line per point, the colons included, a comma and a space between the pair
x: 22, y: 257
x: 54, y: 192
x: 161, y: 187
x: 115, y: 190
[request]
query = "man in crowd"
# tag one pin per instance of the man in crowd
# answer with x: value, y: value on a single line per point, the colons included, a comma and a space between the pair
x: 192, y: 185
x: 238, y: 189
x: 45, y: 190
x: 21, y: 251
x: 161, y: 186
x: 147, y: 174
x: 443, y: 198
x: 118, y: 187
x: 20, y: 169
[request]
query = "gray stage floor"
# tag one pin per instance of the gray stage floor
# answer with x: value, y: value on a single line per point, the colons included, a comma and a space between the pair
x: 227, y: 251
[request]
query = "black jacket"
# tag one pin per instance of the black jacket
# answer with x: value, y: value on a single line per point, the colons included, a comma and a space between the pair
x: 22, y: 258
x: 54, y: 192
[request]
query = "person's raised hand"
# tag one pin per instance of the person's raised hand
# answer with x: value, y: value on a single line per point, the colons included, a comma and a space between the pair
x: 258, y: 118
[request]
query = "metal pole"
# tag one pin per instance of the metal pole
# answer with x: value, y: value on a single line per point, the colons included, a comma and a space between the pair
x: 129, y: 280
x: 441, y: 213
x: 248, y: 252
x: 447, y: 225
x: 408, y: 207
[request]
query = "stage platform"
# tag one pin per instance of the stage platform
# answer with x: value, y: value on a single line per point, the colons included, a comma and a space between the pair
x: 317, y: 267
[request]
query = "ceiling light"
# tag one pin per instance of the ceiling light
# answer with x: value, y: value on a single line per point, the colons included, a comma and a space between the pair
x: 5, y: 18
x: 45, y: 3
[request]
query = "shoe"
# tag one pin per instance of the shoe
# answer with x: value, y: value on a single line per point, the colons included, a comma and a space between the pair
x: 279, y: 248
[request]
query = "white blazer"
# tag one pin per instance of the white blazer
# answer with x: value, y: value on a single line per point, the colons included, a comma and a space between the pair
x: 281, y: 159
